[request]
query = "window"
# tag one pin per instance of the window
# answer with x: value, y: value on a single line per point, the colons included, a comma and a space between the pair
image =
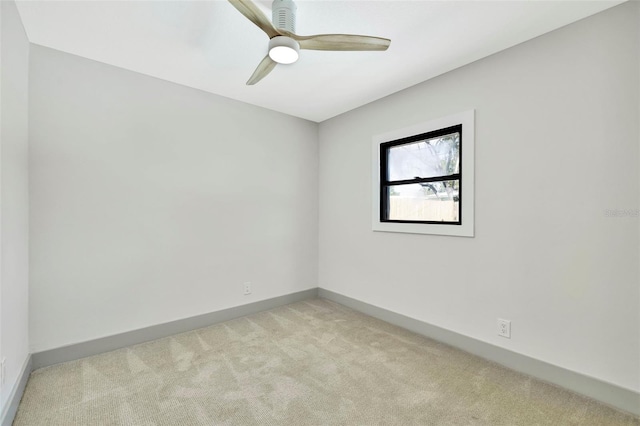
x: 423, y: 178
x: 420, y: 178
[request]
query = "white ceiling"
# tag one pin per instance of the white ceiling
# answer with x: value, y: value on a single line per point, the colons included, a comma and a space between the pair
x: 210, y: 46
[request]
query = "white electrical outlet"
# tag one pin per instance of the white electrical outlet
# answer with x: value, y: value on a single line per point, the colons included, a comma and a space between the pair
x: 247, y: 288
x: 3, y: 371
x: 504, y: 328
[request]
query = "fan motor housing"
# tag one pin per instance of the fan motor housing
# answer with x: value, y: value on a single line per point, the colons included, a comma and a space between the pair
x: 283, y: 15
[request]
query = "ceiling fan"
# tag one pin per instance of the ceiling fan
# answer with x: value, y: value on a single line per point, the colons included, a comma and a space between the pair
x: 285, y: 45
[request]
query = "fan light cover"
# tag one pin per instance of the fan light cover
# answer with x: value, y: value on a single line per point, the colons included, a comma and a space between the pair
x: 284, y: 50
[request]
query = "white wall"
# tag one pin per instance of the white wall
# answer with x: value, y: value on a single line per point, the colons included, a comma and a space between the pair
x: 152, y: 202
x: 556, y: 144
x: 14, y: 206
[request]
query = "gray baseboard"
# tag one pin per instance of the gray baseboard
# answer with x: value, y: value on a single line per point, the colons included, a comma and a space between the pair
x: 9, y: 413
x: 110, y: 343
x: 608, y: 393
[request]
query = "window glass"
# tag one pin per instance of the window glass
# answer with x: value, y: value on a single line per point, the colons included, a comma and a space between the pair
x: 438, y: 156
x: 433, y: 201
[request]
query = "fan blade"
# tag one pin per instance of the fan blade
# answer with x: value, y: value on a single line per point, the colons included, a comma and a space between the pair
x: 341, y: 42
x: 255, y: 15
x: 264, y: 68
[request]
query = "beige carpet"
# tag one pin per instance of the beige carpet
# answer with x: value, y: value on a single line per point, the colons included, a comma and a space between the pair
x: 309, y: 363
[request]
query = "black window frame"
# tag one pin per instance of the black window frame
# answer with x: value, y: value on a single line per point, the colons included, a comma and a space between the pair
x: 385, y: 183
